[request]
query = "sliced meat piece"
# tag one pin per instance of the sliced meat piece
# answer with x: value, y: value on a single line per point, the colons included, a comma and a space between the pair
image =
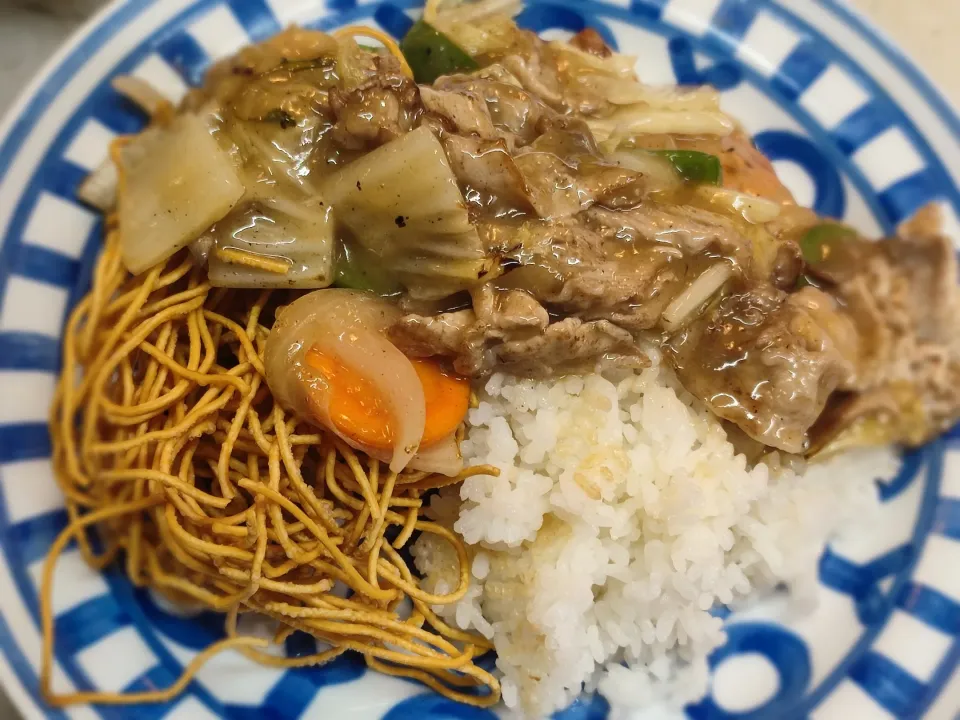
x: 536, y: 76
x: 767, y: 362
x: 689, y: 228
x: 490, y: 180
x: 508, y: 309
x: 596, y: 274
x: 904, y: 301
x: 466, y: 111
x: 631, y: 289
x: 372, y: 114
x: 469, y: 337
x: 518, y: 116
x: 571, y: 345
x: 552, y: 184
x: 927, y: 262
x: 426, y: 336
x: 509, y: 331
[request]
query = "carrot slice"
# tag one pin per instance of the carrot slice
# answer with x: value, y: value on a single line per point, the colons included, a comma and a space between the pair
x: 355, y: 405
x: 357, y: 409
x: 447, y: 398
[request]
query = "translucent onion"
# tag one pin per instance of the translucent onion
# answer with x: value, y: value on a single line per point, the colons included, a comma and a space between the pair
x: 458, y: 11
x: 753, y: 209
x: 659, y: 172
x: 698, y: 293
x: 99, y: 188
x: 140, y: 93
x: 680, y: 99
x: 442, y: 457
x: 350, y: 326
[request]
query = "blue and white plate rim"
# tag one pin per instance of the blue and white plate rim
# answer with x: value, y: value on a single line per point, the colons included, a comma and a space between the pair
x: 67, y: 62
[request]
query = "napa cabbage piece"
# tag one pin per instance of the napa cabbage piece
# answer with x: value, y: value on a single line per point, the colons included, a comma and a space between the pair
x: 482, y: 27
x: 175, y: 182
x: 641, y: 119
x: 402, y: 203
x: 297, y: 235
x: 612, y: 78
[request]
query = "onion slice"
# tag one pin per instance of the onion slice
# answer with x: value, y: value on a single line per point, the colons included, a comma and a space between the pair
x: 755, y: 210
x: 699, y: 291
x: 99, y: 188
x: 140, y: 93
x: 349, y: 325
x: 442, y: 457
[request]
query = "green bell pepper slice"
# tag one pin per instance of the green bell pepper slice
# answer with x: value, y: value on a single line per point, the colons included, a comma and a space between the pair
x: 694, y: 166
x: 431, y: 54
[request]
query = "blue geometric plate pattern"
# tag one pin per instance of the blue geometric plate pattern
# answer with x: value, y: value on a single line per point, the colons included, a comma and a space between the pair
x: 853, y: 128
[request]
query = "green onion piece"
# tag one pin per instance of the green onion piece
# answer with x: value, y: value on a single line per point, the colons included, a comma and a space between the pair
x: 694, y: 166
x: 360, y: 273
x: 431, y: 54
x: 821, y: 241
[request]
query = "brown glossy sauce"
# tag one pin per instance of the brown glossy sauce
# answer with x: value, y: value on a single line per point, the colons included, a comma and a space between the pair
x: 582, y: 235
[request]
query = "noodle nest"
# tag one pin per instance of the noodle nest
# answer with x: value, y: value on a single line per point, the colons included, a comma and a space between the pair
x: 177, y: 462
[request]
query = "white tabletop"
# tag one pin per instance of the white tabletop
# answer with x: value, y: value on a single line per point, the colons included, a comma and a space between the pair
x: 926, y: 29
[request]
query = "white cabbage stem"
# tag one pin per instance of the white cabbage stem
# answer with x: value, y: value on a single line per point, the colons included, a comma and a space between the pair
x: 641, y: 120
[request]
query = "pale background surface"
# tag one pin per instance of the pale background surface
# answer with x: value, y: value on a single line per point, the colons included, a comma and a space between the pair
x: 929, y: 30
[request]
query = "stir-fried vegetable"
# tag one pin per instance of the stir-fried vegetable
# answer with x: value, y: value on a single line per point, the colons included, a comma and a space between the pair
x: 99, y: 188
x: 821, y: 242
x: 328, y: 358
x: 359, y: 270
x: 659, y: 171
x: 402, y: 204
x: 275, y: 244
x: 347, y: 326
x: 479, y: 27
x: 142, y: 94
x: 175, y: 182
x: 357, y: 408
x: 695, y: 166
x: 753, y: 209
x: 632, y: 120
x: 353, y: 31
x: 431, y: 54
x: 696, y: 295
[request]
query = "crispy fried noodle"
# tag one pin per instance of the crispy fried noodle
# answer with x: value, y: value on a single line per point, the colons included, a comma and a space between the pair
x: 172, y: 446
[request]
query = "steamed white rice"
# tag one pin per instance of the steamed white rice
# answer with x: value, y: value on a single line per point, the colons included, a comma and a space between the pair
x: 620, y: 518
